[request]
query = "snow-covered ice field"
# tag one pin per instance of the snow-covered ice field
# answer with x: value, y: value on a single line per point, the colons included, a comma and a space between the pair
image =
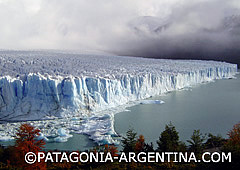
x: 79, y: 93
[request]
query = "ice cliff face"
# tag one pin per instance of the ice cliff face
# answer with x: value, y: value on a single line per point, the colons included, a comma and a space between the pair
x: 37, y: 85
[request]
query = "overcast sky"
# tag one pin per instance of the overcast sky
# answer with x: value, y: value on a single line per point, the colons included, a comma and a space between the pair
x: 119, y: 26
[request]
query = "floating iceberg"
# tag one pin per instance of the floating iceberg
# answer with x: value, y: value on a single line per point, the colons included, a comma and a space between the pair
x: 63, y: 135
x: 37, y: 85
x: 62, y: 132
x: 42, y: 137
x: 6, y: 138
x: 60, y: 139
x: 151, y: 102
x: 100, y: 128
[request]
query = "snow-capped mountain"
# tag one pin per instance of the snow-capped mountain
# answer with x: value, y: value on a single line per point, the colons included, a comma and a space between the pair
x: 152, y: 25
x: 148, y: 25
x: 232, y: 24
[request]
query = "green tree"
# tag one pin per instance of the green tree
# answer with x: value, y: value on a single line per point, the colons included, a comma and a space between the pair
x: 214, y: 141
x: 182, y: 147
x: 168, y: 140
x: 149, y: 147
x: 129, y: 142
x: 196, y: 142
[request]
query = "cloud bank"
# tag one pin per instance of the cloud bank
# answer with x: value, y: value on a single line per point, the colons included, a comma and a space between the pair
x: 162, y: 29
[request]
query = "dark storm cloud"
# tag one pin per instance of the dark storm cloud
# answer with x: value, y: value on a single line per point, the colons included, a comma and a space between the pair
x: 197, y: 30
x: 205, y: 29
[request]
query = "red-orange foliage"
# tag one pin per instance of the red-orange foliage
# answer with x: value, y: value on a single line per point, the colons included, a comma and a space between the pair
x: 112, y: 149
x: 234, y: 135
x: 139, y: 147
x: 26, y: 141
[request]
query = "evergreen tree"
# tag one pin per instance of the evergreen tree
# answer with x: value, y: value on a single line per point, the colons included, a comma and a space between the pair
x: 196, y: 142
x: 148, y: 147
x: 129, y: 142
x: 214, y: 141
x: 168, y: 140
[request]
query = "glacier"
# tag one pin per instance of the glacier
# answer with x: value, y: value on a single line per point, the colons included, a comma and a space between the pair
x: 43, y: 85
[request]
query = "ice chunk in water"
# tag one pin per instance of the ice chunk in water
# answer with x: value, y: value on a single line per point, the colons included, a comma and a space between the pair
x: 151, y: 102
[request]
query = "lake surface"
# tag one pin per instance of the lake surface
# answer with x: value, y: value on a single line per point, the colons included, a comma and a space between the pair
x: 77, y: 142
x: 213, y: 108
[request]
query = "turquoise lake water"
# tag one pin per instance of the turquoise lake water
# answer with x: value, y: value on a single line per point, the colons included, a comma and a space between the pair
x: 213, y: 108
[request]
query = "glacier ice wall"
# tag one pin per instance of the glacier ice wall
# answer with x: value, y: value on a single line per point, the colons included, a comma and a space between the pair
x: 36, y: 96
x: 78, y: 87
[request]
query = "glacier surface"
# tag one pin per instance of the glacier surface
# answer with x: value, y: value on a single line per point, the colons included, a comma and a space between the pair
x: 36, y: 85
